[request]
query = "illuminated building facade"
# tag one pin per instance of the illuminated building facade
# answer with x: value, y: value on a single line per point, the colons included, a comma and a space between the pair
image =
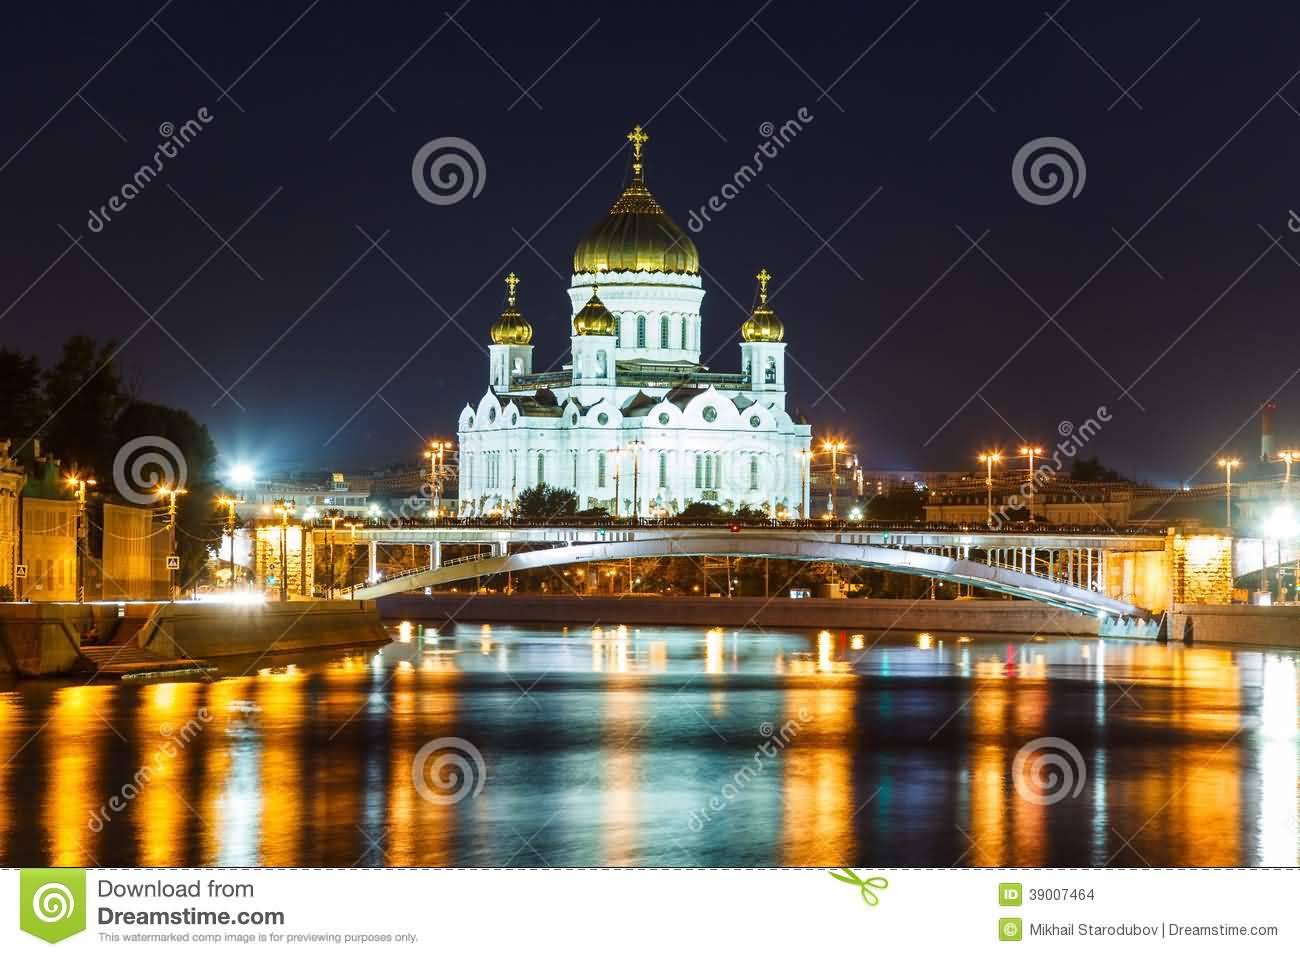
x: 635, y: 423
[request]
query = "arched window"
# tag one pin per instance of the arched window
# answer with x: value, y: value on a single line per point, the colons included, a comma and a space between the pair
x: 618, y: 330
x: 663, y: 332
x: 708, y: 471
x: 541, y: 468
x: 600, y: 469
x: 753, y: 473
x: 683, y: 332
x: 518, y: 366
x: 602, y: 365
x: 769, y: 374
x: 717, y: 471
x: 663, y: 469
x: 699, y: 470
x: 640, y: 332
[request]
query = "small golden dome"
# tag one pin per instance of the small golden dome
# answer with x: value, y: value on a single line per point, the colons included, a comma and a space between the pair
x: 594, y: 319
x: 512, y: 329
x: 763, y: 325
x: 637, y: 235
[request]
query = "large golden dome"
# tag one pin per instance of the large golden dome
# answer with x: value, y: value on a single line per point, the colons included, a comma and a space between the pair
x: 512, y: 329
x: 763, y: 324
x: 637, y: 235
x: 594, y: 319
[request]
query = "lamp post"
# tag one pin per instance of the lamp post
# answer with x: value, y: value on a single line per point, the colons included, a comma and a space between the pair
x: 803, y: 456
x: 229, y: 502
x: 1029, y: 451
x: 284, y: 508
x: 618, y: 472
x: 78, y: 485
x: 1229, y: 464
x: 334, y: 516
x: 834, y: 447
x: 352, y: 542
x: 989, y: 458
x: 635, y: 447
x: 435, y: 454
x: 171, y: 492
x: 1288, y: 456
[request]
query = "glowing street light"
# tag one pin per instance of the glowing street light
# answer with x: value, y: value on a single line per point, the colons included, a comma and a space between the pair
x: 284, y: 508
x: 1229, y: 464
x: 228, y: 502
x: 1029, y: 451
x: 78, y: 485
x: 989, y: 458
x: 241, y: 475
x: 1288, y: 456
x: 435, y: 453
x: 170, y: 492
x: 834, y: 447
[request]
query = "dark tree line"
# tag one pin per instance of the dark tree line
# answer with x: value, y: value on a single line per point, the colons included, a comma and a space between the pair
x: 82, y: 412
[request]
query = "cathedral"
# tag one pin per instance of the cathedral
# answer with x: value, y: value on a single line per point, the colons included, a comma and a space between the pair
x: 634, y: 423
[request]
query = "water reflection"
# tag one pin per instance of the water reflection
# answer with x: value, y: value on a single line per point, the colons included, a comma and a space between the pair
x: 621, y: 745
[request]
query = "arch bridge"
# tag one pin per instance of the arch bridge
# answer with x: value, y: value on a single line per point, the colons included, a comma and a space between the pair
x: 1068, y: 570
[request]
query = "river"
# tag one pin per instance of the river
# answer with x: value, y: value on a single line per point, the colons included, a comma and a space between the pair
x: 667, y: 746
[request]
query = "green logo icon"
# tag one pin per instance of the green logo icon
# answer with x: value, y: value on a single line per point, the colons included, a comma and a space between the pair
x: 52, y: 902
x: 1010, y: 928
x: 867, y: 887
x: 1011, y: 895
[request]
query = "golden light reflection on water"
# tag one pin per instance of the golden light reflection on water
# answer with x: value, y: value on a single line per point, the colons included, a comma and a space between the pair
x: 72, y: 741
x: 817, y: 809
x: 166, y: 722
x: 619, y: 812
x: 11, y: 716
x: 279, y: 701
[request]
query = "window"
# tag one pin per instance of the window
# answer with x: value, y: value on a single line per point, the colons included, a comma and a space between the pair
x: 618, y: 330
x: 541, y: 468
x: 600, y: 470
x: 717, y: 471
x: 753, y: 473
x: 699, y: 470
x: 640, y: 332
x: 663, y: 469
x: 683, y: 332
x: 708, y: 472
x: 602, y: 366
x: 769, y: 375
x: 663, y: 332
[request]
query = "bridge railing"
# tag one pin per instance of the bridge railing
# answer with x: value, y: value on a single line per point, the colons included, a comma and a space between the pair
x: 821, y: 525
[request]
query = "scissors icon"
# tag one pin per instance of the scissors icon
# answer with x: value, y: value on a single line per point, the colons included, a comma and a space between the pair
x: 865, y: 886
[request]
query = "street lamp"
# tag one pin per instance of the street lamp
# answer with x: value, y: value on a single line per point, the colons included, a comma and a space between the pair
x: 284, y: 508
x: 1029, y: 451
x: 989, y: 458
x: 1229, y: 464
x: 228, y: 502
x: 805, y: 465
x: 635, y: 448
x: 435, y: 454
x: 1288, y: 456
x: 834, y: 447
x: 78, y: 485
x: 1281, y: 524
x: 171, y: 491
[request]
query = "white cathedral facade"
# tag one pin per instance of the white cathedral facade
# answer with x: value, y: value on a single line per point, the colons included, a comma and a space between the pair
x: 635, y: 424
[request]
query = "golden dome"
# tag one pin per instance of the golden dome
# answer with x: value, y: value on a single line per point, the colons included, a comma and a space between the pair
x: 594, y: 319
x: 512, y: 329
x: 637, y: 235
x: 763, y: 325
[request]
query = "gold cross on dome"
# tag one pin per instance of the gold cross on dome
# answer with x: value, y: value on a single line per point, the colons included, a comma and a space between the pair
x: 763, y: 278
x: 638, y: 139
x: 511, y: 282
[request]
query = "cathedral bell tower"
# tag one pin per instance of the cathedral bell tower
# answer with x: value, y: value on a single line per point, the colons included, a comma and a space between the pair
x: 762, y: 353
x: 511, y: 352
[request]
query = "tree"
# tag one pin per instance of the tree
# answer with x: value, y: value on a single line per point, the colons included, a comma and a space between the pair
x: 897, y: 505
x: 700, y: 510
x: 84, y: 395
x: 22, y: 402
x: 1091, y: 470
x: 544, y: 501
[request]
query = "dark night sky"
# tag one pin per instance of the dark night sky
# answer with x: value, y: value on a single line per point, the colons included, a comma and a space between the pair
x: 1205, y: 162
